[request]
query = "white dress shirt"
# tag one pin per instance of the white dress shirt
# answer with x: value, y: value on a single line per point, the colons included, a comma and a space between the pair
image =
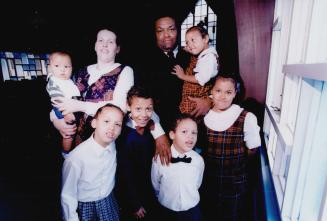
x: 175, y: 51
x: 221, y: 121
x: 88, y: 175
x: 177, y: 185
x: 206, y: 66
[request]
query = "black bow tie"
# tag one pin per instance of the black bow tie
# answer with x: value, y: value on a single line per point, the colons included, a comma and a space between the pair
x: 181, y: 159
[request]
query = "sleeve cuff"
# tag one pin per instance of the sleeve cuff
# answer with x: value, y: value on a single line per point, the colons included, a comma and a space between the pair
x: 158, y: 131
x: 91, y: 107
x: 199, y: 80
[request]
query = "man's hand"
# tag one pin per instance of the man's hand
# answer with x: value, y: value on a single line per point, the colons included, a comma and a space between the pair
x: 163, y: 150
x: 203, y: 105
x: 140, y: 214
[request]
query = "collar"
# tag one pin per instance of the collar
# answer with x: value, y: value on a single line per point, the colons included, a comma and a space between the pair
x: 100, y: 150
x: 175, y: 51
x: 130, y: 122
x: 56, y: 79
x: 175, y: 153
x: 207, y: 51
x: 92, y: 69
x: 227, y: 118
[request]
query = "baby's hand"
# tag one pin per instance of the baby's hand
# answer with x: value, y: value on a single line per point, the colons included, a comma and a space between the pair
x: 178, y: 71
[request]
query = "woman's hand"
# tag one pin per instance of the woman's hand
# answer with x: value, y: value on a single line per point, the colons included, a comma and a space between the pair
x: 64, y: 129
x: 140, y: 213
x: 67, y: 105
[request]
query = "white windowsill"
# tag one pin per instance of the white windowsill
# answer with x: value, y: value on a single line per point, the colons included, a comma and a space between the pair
x: 316, y: 71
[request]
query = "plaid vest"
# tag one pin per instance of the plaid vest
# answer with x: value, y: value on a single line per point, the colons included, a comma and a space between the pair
x: 192, y: 89
x: 226, y: 151
x: 101, y: 90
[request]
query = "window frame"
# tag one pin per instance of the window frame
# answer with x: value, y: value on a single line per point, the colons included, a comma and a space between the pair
x: 297, y: 85
x: 202, y: 12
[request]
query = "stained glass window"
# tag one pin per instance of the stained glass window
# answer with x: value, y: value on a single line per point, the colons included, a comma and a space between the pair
x: 202, y: 14
x: 20, y: 65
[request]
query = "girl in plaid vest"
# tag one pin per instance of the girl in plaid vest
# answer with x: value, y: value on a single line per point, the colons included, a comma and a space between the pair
x: 232, y: 135
x: 202, y: 68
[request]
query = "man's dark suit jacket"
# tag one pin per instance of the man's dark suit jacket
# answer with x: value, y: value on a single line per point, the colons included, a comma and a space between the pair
x: 165, y: 87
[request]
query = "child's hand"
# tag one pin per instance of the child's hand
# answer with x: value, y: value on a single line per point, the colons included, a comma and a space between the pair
x: 178, y: 71
x: 140, y: 213
x: 186, y: 48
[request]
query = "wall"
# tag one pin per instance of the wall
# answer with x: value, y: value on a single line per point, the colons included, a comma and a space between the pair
x: 254, y: 20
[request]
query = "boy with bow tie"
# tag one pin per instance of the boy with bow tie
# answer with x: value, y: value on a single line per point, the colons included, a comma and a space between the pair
x: 136, y: 148
x: 177, y: 185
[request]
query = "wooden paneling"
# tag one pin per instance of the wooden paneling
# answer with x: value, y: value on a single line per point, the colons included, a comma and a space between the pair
x: 254, y: 20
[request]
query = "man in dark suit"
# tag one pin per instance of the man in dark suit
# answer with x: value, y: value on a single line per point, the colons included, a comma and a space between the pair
x: 166, y: 87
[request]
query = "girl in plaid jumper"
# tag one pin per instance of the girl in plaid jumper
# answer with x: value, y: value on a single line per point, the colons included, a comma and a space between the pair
x: 232, y: 135
x: 203, y: 66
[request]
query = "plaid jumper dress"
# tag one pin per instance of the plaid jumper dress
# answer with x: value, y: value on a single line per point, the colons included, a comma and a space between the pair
x: 225, y: 177
x: 101, y: 90
x: 192, y: 90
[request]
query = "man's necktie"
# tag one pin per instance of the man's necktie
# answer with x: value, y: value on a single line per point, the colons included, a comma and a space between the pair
x: 149, y: 125
x: 181, y: 159
x: 172, y: 60
x: 171, y: 55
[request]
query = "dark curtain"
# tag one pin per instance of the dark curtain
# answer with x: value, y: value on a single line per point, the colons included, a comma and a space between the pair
x: 227, y: 46
x: 181, y: 11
